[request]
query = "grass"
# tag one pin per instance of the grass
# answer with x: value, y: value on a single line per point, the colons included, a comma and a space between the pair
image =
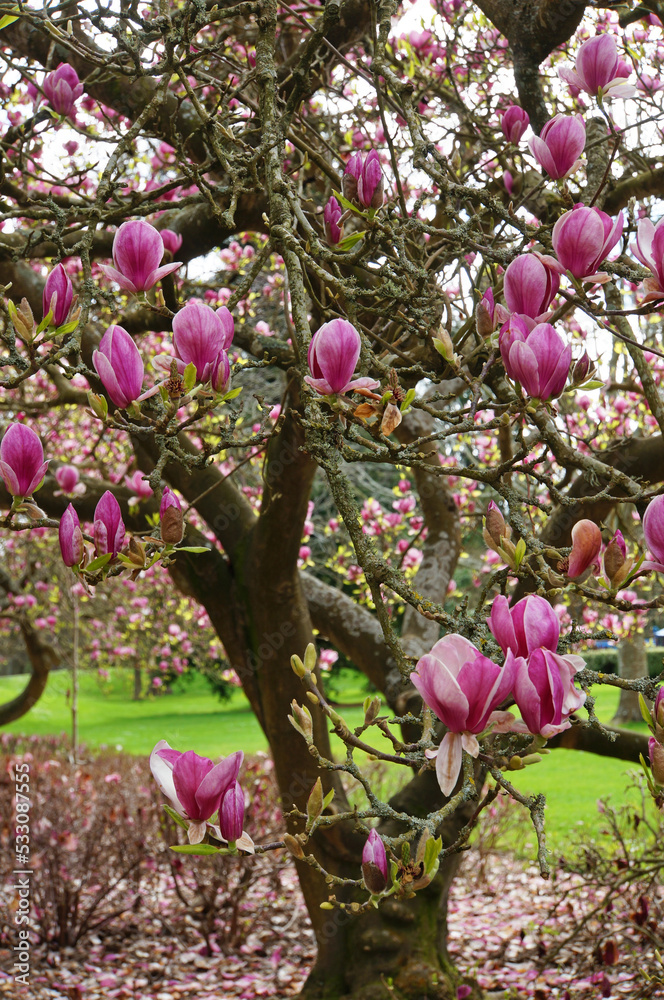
x: 193, y: 718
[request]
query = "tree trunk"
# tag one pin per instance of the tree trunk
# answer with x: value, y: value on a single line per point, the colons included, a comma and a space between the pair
x: 403, y: 944
x: 138, y: 683
x: 633, y: 663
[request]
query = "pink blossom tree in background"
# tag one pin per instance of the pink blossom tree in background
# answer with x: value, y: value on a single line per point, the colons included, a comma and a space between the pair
x: 261, y: 264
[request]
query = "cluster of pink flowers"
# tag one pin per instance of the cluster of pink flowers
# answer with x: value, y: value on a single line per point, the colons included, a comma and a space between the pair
x: 464, y: 688
x: 109, y: 529
x: 201, y: 337
x: 198, y: 789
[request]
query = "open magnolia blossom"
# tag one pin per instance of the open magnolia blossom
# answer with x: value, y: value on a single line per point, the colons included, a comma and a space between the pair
x: 653, y: 532
x: 583, y: 238
x: 530, y: 624
x: 599, y: 70
x: 333, y: 353
x: 196, y: 788
x: 530, y: 284
x: 559, y: 145
x: 649, y: 249
x: 537, y: 358
x: 544, y: 690
x: 462, y: 687
x: 138, y: 250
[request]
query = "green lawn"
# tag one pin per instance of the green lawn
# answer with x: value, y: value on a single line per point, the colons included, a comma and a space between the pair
x: 193, y: 718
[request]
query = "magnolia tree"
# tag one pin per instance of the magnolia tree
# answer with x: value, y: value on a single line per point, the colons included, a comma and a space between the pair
x: 382, y: 277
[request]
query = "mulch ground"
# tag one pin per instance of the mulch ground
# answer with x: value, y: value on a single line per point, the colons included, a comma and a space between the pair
x: 504, y: 929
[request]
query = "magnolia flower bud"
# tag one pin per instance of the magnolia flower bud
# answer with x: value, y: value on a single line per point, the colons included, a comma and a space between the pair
x: 108, y: 526
x: 494, y: 524
x: 332, y: 221
x: 302, y: 721
x: 583, y: 370
x: 392, y: 417
x: 315, y: 800
x: 172, y: 522
x: 559, y: 145
x: 231, y: 813
x: 444, y: 345
x: 23, y: 320
x: 374, y: 864
x: 293, y: 846
x: 72, y: 545
x: 616, y: 564
x: 58, y: 295
x: 136, y: 552
x: 483, y: 319
x: 586, y: 545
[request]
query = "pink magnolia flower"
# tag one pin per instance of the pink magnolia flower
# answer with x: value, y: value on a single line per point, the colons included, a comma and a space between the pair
x: 363, y: 180
x: 172, y: 241
x: 120, y: 366
x: 138, y: 249
x: 530, y: 284
x: 70, y: 537
x: 194, y: 785
x: 334, y: 229
x: 514, y: 121
x: 653, y: 532
x: 22, y: 464
x: 108, y: 527
x: 599, y: 69
x: 658, y: 709
x: 649, y: 249
x: 582, y: 238
x: 559, y: 145
x: 231, y: 813
x: 648, y: 84
x: 538, y: 359
x: 463, y: 688
x: 67, y: 477
x: 530, y: 624
x: 374, y: 863
x: 544, y: 689
x: 333, y: 353
x: 58, y: 295
x: 200, y: 335
x: 62, y: 89
x: 656, y: 755
x: 139, y: 486
x: 586, y: 546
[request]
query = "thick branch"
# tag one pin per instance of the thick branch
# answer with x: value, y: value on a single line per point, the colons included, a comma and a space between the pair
x: 42, y: 657
x: 534, y: 28
x: 627, y: 746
